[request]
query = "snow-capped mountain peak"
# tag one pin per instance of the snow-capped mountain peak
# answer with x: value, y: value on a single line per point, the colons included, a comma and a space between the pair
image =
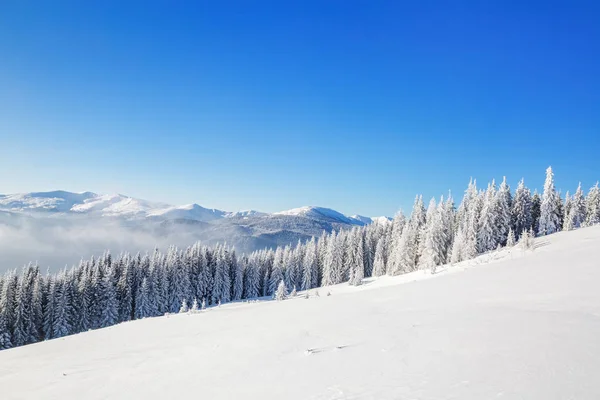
x: 122, y: 206
x: 320, y: 213
x: 189, y: 211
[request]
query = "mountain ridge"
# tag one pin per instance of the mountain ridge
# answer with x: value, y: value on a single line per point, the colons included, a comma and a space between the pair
x: 119, y: 205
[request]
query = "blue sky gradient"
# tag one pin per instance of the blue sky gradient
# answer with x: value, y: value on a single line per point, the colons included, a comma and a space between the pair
x: 353, y: 105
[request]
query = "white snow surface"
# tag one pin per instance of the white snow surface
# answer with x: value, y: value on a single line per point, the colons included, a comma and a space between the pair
x: 507, y: 325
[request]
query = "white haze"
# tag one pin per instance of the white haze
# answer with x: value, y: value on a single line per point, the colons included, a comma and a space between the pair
x: 54, y: 243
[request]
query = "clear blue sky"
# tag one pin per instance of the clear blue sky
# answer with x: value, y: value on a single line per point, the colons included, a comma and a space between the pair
x: 352, y: 105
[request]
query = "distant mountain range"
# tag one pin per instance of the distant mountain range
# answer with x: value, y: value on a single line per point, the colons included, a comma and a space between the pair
x: 62, y: 213
x: 118, y: 205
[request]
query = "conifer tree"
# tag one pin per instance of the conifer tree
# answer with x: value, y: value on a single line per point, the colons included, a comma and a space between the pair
x: 238, y: 277
x: 195, y: 308
x: 6, y: 295
x: 184, y: 307
x: 503, y: 212
x: 522, y: 209
x: 356, y: 258
x: 593, y: 206
x: 310, y: 266
x: 222, y: 286
x: 536, y: 204
x: 333, y: 268
x: 433, y: 253
x: 251, y: 278
x: 62, y: 307
x: 379, y: 262
x: 395, y: 257
x: 281, y: 292
x: 277, y: 272
x: 109, y: 314
x: 487, y: 239
x: 142, y: 309
x: 510, y: 241
x: 550, y: 207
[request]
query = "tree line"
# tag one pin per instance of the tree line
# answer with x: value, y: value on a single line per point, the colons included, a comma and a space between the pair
x: 105, y: 291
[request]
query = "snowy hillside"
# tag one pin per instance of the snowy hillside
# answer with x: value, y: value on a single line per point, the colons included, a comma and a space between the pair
x: 506, y: 325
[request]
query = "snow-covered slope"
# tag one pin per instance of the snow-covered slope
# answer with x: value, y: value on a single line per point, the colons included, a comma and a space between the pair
x: 508, y: 325
x: 369, y: 220
x: 56, y: 201
x: 320, y: 213
x: 189, y: 211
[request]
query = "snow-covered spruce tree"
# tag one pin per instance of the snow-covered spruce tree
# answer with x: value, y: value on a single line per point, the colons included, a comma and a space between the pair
x: 561, y: 212
x: 298, y: 260
x: 62, y: 307
x: 277, y: 272
x: 195, y: 308
x: 109, y: 314
x: 49, y: 307
x: 222, y: 286
x: 5, y: 342
x: 184, y: 307
x: 486, y: 234
x: 24, y: 330
x: 281, y: 292
x: 85, y: 298
x: 458, y: 246
x: 333, y: 268
x: 469, y: 250
x: 567, y: 226
x: 409, y: 249
x: 379, y: 261
x: 431, y: 210
x: 549, y: 209
x: 526, y: 240
x: 576, y: 214
x: 503, y: 212
x: 462, y: 215
x: 309, y: 266
x: 593, y: 206
x: 370, y: 239
x: 322, y: 247
x: 179, y: 283
x: 394, y: 252
x: 356, y: 257
x: 251, y: 277
x: 536, y: 205
x: 511, y: 240
x: 522, y: 209
x: 142, y: 309
x: 289, y: 268
x: 6, y: 310
x: 344, y: 246
x: 238, y: 276
x: 434, y: 245
x: 125, y: 287
x: 267, y: 260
